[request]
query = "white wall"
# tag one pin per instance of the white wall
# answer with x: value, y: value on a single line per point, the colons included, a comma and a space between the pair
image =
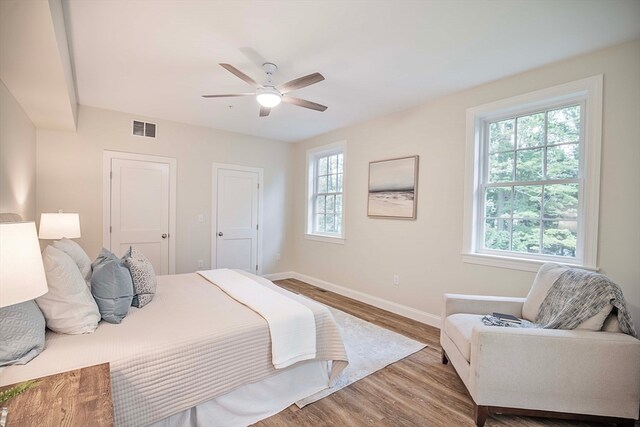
x: 17, y: 158
x: 426, y: 252
x: 70, y: 178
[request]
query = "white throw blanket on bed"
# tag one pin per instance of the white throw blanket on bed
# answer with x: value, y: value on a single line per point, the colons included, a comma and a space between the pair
x: 292, y: 326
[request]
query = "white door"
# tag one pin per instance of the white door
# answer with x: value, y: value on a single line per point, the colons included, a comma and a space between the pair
x: 236, y: 195
x: 140, y: 210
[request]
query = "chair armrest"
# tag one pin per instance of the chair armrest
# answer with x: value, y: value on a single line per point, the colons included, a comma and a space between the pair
x: 556, y: 369
x: 478, y: 304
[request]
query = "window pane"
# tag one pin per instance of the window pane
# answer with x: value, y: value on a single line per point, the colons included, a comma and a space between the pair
x: 561, y: 201
x: 330, y: 204
x: 322, y: 184
x: 322, y: 166
x: 339, y: 186
x: 527, y: 202
x: 332, y: 181
x: 501, y: 167
x: 563, y: 161
x: 333, y: 164
x: 498, y: 202
x: 496, y: 234
x: 531, y: 131
x: 563, y: 125
x: 320, y: 204
x: 501, y: 136
x: 338, y: 223
x: 529, y: 166
x: 330, y: 224
x: 320, y: 223
x: 340, y: 163
x: 559, y: 238
x: 338, y: 207
x: 526, y: 236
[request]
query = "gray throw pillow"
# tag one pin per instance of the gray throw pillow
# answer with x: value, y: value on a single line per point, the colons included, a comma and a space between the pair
x: 144, y: 278
x: 22, y: 328
x: 111, y: 286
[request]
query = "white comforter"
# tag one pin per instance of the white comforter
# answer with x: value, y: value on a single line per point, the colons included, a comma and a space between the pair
x: 292, y: 325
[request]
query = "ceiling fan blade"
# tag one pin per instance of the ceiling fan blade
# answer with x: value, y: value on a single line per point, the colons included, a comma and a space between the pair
x: 303, y: 103
x: 301, y: 82
x: 264, y: 111
x: 227, y: 96
x: 233, y: 70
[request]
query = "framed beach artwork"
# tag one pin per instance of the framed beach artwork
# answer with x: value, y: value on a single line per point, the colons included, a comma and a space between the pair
x: 393, y: 188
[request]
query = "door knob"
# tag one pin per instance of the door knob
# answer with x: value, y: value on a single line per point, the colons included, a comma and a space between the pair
x: 220, y: 234
x: 164, y: 235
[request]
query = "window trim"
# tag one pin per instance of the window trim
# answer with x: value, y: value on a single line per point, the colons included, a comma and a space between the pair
x: 312, y: 155
x: 588, y: 92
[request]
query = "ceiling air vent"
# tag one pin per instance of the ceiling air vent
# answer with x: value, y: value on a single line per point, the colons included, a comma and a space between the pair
x: 144, y: 129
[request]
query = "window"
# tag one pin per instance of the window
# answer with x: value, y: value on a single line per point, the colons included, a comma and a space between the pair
x: 535, y: 178
x: 325, y: 209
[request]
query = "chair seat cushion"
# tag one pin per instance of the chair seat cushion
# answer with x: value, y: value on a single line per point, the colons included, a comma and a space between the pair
x: 458, y: 328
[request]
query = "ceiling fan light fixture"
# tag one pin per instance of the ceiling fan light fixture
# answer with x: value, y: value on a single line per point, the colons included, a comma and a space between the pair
x: 269, y: 97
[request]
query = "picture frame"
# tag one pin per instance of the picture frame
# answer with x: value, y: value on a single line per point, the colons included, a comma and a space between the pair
x: 393, y: 188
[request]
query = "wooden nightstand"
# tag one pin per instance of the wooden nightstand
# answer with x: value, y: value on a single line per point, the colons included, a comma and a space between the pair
x: 81, y: 397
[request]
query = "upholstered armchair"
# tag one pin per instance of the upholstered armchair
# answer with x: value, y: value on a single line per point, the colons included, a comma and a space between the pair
x: 576, y: 374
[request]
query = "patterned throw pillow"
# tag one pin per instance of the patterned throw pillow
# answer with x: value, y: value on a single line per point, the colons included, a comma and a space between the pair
x: 144, y: 278
x: 21, y: 333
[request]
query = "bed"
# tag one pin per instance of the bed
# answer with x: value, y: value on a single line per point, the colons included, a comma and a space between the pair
x: 193, y: 356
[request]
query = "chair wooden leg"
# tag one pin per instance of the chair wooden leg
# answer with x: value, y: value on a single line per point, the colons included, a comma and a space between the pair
x: 445, y: 359
x: 481, y: 414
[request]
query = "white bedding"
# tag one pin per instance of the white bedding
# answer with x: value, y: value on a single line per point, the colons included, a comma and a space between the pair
x: 292, y: 325
x: 192, y: 343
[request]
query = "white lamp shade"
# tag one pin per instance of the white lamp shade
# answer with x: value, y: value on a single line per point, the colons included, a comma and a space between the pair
x: 22, y: 275
x: 59, y: 225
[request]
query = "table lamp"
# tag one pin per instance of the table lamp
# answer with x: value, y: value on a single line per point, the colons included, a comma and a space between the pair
x: 58, y: 225
x: 22, y: 275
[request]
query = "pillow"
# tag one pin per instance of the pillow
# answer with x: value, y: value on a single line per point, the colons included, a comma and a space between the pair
x: 111, y: 286
x: 77, y: 254
x: 22, y: 328
x: 144, y: 278
x: 546, y: 277
x: 611, y: 323
x: 68, y: 306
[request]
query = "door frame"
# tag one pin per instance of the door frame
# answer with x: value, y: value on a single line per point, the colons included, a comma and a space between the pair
x: 214, y: 208
x: 106, y: 196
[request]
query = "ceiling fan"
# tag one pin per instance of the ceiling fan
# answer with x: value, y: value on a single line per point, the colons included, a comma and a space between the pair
x: 268, y: 95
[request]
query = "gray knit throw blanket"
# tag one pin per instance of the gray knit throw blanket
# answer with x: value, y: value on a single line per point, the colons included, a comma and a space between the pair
x: 579, y: 295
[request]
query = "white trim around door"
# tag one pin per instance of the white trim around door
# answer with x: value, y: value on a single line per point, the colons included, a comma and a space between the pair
x: 107, y: 157
x: 214, y: 207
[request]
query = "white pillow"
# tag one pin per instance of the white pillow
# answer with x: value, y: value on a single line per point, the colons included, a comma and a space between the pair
x: 546, y: 277
x: 77, y: 254
x: 68, y: 306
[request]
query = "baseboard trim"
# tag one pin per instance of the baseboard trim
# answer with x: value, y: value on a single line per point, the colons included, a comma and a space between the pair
x: 393, y: 307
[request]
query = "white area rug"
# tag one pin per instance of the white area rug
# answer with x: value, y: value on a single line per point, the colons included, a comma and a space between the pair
x: 369, y: 347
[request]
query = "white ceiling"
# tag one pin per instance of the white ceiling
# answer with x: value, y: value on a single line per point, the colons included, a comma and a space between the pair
x: 155, y: 58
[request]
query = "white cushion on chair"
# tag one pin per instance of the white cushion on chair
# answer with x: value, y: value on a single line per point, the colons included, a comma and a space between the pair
x: 458, y: 328
x: 546, y: 277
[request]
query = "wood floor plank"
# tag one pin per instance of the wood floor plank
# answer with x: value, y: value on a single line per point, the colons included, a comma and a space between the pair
x: 416, y: 391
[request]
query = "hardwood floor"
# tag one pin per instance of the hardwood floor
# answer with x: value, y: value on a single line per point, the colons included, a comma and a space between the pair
x: 416, y: 391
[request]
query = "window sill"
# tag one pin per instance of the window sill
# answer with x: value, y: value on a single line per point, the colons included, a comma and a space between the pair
x: 514, y: 263
x: 324, y: 238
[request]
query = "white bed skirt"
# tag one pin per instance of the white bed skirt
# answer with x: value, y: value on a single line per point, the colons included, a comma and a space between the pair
x: 251, y: 403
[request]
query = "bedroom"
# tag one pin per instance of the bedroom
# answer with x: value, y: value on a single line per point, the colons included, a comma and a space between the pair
x: 390, y: 94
